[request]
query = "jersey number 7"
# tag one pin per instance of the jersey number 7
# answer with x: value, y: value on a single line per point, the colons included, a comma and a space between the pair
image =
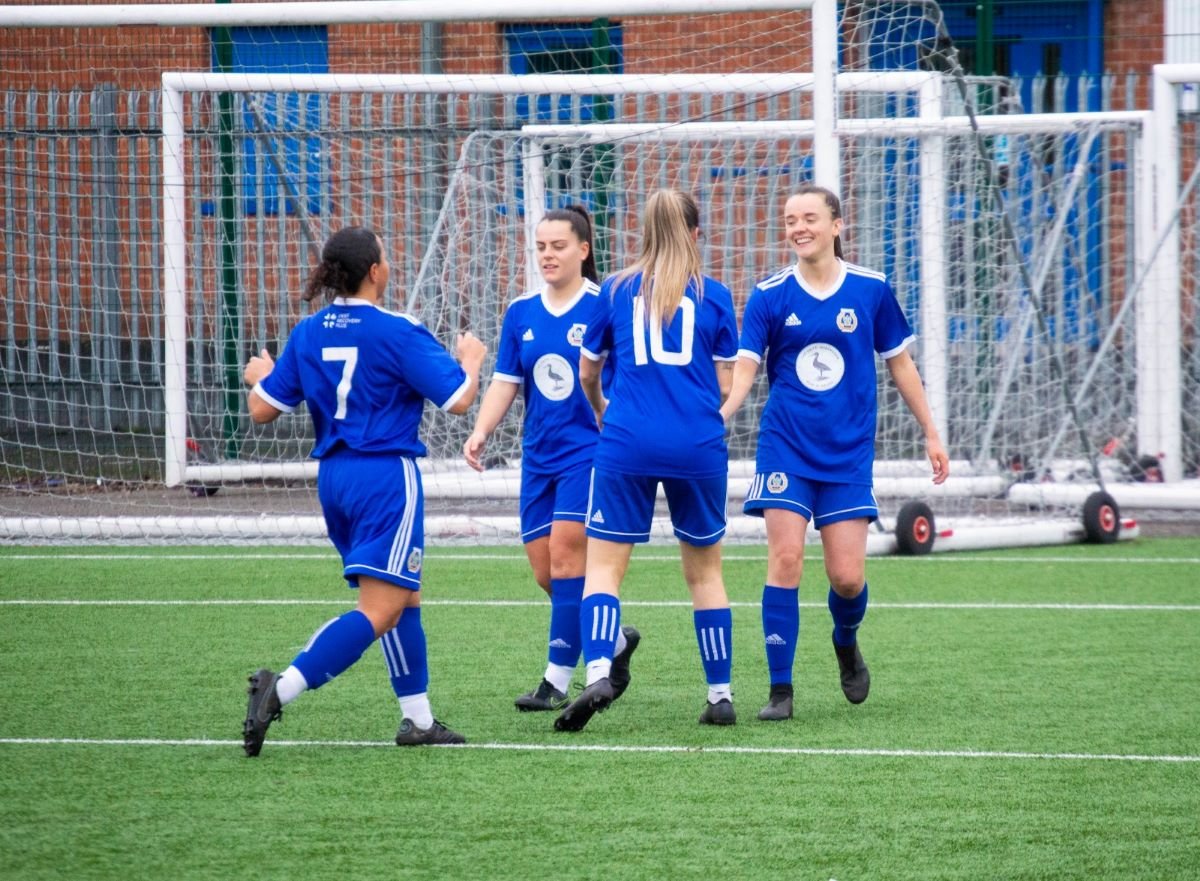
x: 348, y: 355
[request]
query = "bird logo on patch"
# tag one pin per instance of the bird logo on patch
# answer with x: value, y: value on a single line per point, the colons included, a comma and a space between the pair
x: 820, y: 367
x: 554, y: 377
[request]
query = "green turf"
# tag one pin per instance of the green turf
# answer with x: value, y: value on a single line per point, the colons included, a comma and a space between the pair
x: 1065, y: 700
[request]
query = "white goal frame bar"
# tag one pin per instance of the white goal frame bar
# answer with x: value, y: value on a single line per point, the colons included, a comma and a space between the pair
x: 930, y: 126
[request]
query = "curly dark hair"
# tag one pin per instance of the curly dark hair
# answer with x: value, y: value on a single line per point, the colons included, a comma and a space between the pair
x: 346, y: 259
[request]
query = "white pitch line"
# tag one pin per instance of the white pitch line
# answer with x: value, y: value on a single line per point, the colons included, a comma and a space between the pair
x: 653, y: 558
x: 613, y: 748
x: 1052, y: 607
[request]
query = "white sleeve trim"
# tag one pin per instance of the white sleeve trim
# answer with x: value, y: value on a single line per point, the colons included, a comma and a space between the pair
x: 892, y: 353
x: 507, y: 377
x: 725, y: 357
x: 593, y: 356
x: 751, y: 354
x: 278, y: 405
x: 458, y: 393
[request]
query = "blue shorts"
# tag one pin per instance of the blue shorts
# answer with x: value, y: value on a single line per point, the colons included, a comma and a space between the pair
x: 621, y: 507
x: 374, y: 510
x: 549, y: 497
x: 816, y: 501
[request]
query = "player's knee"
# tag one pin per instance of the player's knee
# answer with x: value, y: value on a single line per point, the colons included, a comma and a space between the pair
x: 846, y: 582
x: 565, y: 562
x: 786, y: 565
x: 382, y: 619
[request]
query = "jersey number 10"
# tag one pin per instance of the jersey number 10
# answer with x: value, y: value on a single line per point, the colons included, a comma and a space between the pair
x: 687, y: 313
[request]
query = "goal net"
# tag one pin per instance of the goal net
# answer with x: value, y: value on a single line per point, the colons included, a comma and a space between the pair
x: 189, y: 216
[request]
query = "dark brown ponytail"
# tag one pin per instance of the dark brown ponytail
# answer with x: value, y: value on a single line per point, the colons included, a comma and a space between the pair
x: 346, y: 259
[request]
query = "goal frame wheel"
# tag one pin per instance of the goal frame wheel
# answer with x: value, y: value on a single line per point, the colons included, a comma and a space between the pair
x: 916, y: 529
x: 1101, y: 518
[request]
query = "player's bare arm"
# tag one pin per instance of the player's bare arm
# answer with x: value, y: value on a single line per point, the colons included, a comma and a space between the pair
x: 908, y: 383
x: 258, y: 368
x: 741, y: 381
x: 470, y: 352
x: 589, y: 379
x: 496, y: 402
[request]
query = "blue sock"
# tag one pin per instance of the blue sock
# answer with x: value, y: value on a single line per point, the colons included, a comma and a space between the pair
x: 599, y: 620
x: 334, y: 648
x: 565, y: 596
x: 847, y: 615
x: 714, y: 633
x: 404, y: 653
x: 781, y: 631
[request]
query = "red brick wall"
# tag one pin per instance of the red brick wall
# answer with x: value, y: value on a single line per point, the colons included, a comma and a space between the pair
x: 134, y: 57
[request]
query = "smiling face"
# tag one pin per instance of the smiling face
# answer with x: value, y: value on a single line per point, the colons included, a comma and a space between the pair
x: 810, y: 227
x: 560, y: 253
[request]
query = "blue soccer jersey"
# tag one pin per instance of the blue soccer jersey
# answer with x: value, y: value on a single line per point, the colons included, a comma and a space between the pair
x: 819, y: 419
x: 539, y: 350
x: 364, y: 373
x: 664, y: 416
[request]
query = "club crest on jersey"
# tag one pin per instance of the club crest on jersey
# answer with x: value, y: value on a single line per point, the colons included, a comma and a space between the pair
x: 847, y: 321
x: 575, y: 334
x: 776, y: 482
x: 820, y: 367
x: 414, y: 560
x: 553, y: 377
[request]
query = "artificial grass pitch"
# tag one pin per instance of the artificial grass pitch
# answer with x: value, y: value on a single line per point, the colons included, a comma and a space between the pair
x: 1033, y: 714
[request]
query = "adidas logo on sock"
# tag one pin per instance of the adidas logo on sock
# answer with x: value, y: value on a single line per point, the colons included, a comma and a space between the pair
x: 529, y: 334
x: 559, y: 643
x: 776, y: 639
x: 792, y: 321
x: 598, y: 517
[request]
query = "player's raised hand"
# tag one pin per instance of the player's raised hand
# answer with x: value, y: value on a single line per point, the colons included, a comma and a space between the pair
x: 469, y: 349
x: 258, y: 367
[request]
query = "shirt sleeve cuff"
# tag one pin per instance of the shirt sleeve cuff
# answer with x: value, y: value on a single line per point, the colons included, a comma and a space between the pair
x: 893, y: 352
x: 277, y: 404
x: 458, y: 393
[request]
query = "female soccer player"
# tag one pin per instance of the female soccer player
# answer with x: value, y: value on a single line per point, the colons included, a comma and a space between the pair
x: 364, y: 374
x: 672, y: 334
x: 820, y: 323
x: 539, y: 355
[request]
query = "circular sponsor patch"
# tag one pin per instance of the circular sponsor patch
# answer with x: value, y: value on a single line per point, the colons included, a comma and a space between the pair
x: 776, y: 482
x: 820, y: 367
x: 553, y: 377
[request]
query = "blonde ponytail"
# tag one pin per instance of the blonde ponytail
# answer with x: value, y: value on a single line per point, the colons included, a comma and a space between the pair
x: 670, y: 258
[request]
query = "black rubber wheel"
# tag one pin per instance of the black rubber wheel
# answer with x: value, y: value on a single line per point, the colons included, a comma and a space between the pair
x: 915, y: 529
x: 1101, y: 518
